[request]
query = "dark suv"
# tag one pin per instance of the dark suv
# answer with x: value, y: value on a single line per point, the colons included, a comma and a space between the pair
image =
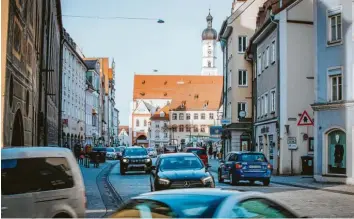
x: 135, y: 159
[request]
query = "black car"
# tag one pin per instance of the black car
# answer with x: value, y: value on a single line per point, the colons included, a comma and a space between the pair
x: 180, y: 170
x: 203, y: 203
x: 135, y: 159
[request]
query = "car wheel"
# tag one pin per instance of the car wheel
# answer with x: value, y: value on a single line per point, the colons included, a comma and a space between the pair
x: 232, y: 180
x: 220, y: 179
x: 122, y: 172
x: 266, y: 182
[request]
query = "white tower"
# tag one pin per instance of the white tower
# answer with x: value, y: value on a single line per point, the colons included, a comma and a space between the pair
x: 209, y: 37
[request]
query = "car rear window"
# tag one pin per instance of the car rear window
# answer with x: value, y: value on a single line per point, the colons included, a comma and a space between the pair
x: 99, y: 149
x: 197, y: 151
x: 20, y: 176
x: 110, y: 150
x: 253, y: 158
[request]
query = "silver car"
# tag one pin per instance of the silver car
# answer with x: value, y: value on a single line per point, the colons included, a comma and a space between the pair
x: 41, y: 182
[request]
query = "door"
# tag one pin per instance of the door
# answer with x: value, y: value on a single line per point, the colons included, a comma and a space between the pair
x: 16, y: 190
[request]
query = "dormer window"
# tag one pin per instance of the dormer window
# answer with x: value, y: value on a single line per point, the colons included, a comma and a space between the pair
x: 142, y: 93
x: 162, y: 114
x: 143, y: 82
x: 165, y: 83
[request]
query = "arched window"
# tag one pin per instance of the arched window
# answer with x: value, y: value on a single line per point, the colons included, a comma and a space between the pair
x: 145, y: 123
x: 137, y: 123
x: 209, y: 64
x: 336, y: 152
x: 181, y: 128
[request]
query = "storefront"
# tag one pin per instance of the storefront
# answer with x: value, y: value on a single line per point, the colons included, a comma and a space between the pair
x: 266, y: 141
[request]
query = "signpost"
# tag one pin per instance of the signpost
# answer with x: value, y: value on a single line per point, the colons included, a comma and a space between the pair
x: 292, y: 146
x: 225, y: 121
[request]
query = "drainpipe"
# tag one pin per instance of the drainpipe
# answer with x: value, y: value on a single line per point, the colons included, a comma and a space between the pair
x: 60, y: 123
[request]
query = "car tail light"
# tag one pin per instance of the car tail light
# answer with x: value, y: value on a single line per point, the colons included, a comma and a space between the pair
x: 238, y: 166
x: 203, y: 156
x: 270, y: 166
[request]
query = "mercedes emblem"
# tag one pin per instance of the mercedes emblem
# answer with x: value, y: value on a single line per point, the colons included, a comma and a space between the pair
x: 187, y: 184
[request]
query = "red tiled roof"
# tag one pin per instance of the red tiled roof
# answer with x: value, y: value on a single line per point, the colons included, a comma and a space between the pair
x: 156, y: 115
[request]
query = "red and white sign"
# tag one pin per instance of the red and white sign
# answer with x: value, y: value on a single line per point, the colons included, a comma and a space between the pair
x: 305, y: 119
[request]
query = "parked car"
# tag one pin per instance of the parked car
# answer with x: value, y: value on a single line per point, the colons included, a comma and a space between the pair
x: 170, y: 149
x: 152, y: 152
x: 251, y: 166
x: 135, y: 159
x: 202, y: 154
x: 41, y: 182
x: 102, y: 152
x: 111, y: 153
x: 180, y: 170
x: 203, y: 203
x: 119, y: 151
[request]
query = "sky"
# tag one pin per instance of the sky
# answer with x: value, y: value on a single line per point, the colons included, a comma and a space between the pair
x: 140, y: 46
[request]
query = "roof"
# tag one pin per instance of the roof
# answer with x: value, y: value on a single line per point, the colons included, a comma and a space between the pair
x: 110, y: 74
x: 125, y: 127
x: 165, y: 110
x: 164, y: 86
x: 27, y: 152
x: 91, y: 63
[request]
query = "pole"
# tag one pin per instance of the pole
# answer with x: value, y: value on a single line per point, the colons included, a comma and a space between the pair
x: 292, y: 170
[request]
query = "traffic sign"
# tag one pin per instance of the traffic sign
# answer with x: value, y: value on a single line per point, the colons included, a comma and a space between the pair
x: 305, y: 119
x: 292, y: 143
x: 225, y: 121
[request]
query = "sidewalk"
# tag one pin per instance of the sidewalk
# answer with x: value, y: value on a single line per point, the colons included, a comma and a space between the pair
x: 95, y: 207
x: 300, y: 181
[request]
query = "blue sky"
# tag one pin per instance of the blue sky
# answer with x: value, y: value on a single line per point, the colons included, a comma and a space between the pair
x: 139, y: 46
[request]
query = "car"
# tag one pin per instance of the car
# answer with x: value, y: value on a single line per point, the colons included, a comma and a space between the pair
x: 119, y: 151
x: 111, y: 153
x: 135, y: 159
x: 198, y: 151
x: 152, y: 152
x: 180, y: 170
x: 102, y: 152
x: 170, y: 149
x: 203, y: 203
x: 41, y: 182
x: 250, y: 166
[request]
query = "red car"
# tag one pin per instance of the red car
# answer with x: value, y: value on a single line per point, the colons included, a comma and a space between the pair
x: 200, y: 152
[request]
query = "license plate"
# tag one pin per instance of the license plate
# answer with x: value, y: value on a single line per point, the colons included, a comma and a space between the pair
x: 136, y: 165
x: 254, y: 166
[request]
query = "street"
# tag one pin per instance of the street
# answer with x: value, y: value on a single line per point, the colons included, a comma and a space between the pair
x: 307, y: 202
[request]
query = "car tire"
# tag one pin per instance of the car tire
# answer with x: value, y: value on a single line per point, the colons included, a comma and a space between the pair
x: 232, y: 180
x: 122, y: 172
x: 220, y: 180
x: 266, y: 182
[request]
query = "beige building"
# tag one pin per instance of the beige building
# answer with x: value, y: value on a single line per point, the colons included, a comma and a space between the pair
x: 237, y: 91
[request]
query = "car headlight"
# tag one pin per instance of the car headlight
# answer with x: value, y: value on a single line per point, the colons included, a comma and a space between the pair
x: 147, y: 160
x: 125, y: 160
x: 164, y: 181
x: 207, y: 179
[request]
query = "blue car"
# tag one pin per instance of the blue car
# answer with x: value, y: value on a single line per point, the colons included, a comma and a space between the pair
x: 251, y: 166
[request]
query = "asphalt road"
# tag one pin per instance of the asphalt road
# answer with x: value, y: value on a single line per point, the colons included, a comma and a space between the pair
x: 307, y: 202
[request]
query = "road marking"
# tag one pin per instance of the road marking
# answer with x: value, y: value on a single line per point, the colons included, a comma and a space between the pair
x: 99, y: 211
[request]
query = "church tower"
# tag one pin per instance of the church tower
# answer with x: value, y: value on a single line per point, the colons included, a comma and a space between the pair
x: 209, y: 37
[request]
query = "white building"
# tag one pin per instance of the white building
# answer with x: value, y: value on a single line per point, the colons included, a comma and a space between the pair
x: 160, y: 128
x: 123, y: 136
x: 115, y: 126
x: 209, y: 37
x: 73, y: 96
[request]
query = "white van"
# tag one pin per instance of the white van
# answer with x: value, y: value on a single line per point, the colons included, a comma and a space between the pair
x: 41, y: 182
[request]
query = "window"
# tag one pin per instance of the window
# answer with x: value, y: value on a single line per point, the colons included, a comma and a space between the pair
x: 157, y: 125
x: 258, y: 107
x: 174, y: 128
x: 259, y: 64
x: 267, y: 57
x: 17, y: 34
x: 202, y: 116
x: 229, y: 79
x: 188, y: 128
x: 195, y: 128
x: 242, y: 78
x: 202, y: 128
x: 137, y: 123
x: 181, y: 128
x: 336, y: 151
x: 273, y: 52
x: 211, y: 115
x: 94, y: 120
x: 272, y: 101
x: 242, y: 44
x: 165, y: 135
x: 265, y: 104
x: 240, y: 107
x: 29, y: 56
x: 229, y: 108
x: 263, y: 61
x: 188, y: 116
x: 335, y: 80
x: 181, y: 116
x: 335, y: 26
x: 174, y: 116
x: 209, y: 64
x: 196, y: 116
x: 19, y: 176
x: 157, y: 134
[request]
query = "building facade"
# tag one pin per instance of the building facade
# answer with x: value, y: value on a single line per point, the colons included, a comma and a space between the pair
x: 115, y: 126
x: 92, y: 99
x: 334, y: 91
x: 123, y: 135
x: 234, y: 35
x: 73, y: 93
x: 160, y: 128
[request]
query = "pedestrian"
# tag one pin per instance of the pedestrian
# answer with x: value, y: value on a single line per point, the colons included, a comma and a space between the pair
x: 66, y: 145
x: 214, y: 152
x: 210, y: 151
x: 77, y: 150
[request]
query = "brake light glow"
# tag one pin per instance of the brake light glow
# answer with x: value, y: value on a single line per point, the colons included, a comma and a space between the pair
x: 270, y: 166
x: 238, y: 166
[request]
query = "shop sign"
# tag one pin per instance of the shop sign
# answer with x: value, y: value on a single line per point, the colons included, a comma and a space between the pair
x: 292, y: 143
x: 265, y: 129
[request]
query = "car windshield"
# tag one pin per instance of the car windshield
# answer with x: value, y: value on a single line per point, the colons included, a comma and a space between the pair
x: 135, y: 152
x: 253, y: 158
x: 194, y: 206
x: 110, y: 150
x: 179, y: 163
x: 197, y: 151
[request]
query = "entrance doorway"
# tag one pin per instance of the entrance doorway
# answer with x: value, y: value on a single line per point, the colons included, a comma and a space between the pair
x: 17, y: 130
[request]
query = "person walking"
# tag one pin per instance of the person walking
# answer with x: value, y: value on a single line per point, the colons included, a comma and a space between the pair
x: 210, y: 152
x: 214, y: 152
